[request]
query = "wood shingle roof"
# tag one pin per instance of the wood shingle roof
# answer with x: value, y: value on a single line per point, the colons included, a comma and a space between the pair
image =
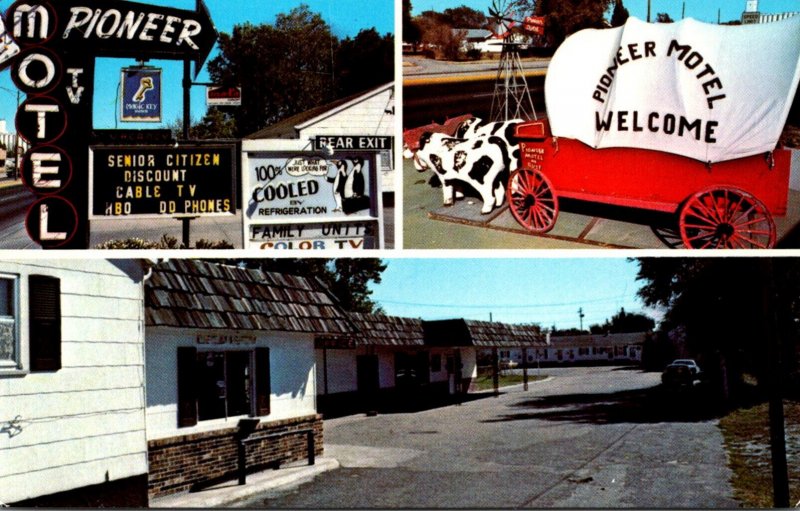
x: 382, y: 330
x: 196, y: 294
x: 484, y: 334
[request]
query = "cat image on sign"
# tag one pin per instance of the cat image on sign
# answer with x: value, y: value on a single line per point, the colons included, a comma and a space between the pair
x: 349, y: 186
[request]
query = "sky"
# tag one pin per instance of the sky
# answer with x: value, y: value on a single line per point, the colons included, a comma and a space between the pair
x: 346, y: 18
x: 702, y: 10
x: 546, y: 291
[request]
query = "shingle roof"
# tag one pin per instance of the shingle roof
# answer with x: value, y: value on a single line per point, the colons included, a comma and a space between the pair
x: 195, y: 294
x: 382, y: 330
x: 485, y: 334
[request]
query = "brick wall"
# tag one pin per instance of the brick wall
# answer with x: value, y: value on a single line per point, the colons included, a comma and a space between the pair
x: 187, y: 462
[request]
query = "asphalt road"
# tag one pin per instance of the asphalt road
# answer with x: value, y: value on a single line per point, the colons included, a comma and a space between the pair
x: 589, y: 437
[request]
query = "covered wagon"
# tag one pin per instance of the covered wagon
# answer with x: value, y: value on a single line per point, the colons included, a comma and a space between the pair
x: 681, y: 117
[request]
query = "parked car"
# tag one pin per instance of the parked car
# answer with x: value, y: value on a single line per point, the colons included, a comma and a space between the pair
x: 507, y: 364
x: 681, y: 372
x: 691, y: 364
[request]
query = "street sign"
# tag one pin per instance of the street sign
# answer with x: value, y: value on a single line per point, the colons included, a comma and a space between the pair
x: 141, y: 95
x: 158, y: 181
x: 223, y: 96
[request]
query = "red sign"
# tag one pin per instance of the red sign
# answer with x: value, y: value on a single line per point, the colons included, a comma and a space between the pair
x: 533, y: 25
x: 224, y: 96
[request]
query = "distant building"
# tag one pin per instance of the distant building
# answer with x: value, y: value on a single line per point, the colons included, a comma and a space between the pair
x: 10, y: 139
x: 578, y: 349
x: 751, y: 14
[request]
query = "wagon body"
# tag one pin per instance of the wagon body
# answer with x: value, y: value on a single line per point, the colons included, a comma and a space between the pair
x: 743, y: 190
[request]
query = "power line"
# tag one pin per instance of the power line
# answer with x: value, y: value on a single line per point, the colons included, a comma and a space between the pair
x: 506, y: 306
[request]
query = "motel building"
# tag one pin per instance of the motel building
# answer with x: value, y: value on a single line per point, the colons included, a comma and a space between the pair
x: 125, y: 381
x: 589, y: 349
x: 390, y: 363
x: 230, y: 355
x: 72, y: 384
x: 407, y: 362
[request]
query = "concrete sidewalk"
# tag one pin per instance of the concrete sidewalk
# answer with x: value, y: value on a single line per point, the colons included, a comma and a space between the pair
x: 287, y: 477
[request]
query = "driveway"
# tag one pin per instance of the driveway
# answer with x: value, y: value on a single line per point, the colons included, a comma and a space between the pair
x: 588, y: 437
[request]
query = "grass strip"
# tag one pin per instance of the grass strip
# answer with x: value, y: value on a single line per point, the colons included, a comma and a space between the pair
x: 746, y: 433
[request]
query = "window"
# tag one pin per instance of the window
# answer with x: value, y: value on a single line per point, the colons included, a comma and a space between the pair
x: 9, y: 332
x: 222, y: 384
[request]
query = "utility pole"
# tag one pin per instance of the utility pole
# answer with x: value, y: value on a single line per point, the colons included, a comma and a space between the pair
x: 777, y: 431
x: 648, y: 11
x: 580, y: 316
x: 683, y: 10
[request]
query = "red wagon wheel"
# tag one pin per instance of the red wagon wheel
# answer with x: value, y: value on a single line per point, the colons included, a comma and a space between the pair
x: 532, y: 200
x: 726, y: 218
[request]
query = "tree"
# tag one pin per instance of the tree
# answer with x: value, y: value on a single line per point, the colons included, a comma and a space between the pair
x: 565, y: 17
x: 625, y: 322
x: 620, y: 14
x: 291, y: 67
x: 463, y: 17
x: 567, y: 331
x: 411, y: 31
x: 719, y: 304
x: 663, y: 17
x: 347, y: 279
x: 364, y: 62
x: 283, y: 69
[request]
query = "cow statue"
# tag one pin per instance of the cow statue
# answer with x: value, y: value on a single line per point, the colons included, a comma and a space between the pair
x: 481, y: 163
x: 476, y: 127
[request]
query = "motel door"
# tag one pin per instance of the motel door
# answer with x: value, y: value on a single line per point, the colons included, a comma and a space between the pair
x: 454, y: 373
x: 367, y: 374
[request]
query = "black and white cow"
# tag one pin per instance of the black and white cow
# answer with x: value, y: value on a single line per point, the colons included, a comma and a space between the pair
x: 475, y: 127
x: 481, y: 163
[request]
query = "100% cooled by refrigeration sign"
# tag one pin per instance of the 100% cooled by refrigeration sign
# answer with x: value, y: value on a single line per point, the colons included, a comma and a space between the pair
x: 308, y: 202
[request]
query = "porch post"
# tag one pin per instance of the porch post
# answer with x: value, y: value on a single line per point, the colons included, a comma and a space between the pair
x: 524, y: 368
x: 495, y: 371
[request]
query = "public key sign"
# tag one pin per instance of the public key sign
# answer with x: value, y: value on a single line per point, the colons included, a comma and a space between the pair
x: 152, y: 181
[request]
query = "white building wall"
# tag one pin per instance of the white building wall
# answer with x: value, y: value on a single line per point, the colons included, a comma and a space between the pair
x: 83, y: 424
x: 439, y: 374
x: 292, y: 374
x: 469, y: 362
x: 341, y: 370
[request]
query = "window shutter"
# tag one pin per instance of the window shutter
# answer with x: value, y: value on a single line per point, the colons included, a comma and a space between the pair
x: 44, y: 307
x: 263, y: 387
x: 187, y: 385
